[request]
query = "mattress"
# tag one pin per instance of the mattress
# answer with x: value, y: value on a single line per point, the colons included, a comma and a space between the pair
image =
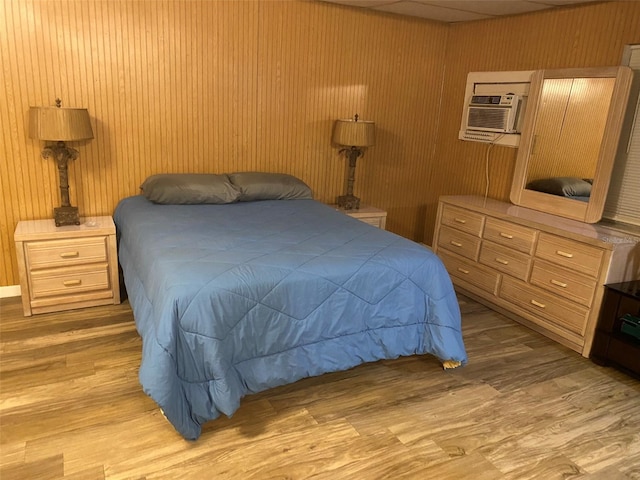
x: 237, y: 298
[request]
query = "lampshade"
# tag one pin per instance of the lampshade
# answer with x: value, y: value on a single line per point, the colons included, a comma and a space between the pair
x: 353, y: 133
x: 59, y: 124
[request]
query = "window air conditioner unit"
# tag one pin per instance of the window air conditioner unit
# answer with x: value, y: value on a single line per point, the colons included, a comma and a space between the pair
x: 493, y: 113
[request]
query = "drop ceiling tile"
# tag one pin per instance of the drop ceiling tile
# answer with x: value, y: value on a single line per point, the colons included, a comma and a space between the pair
x: 489, y: 7
x: 432, y: 12
x: 554, y: 3
x: 451, y: 11
x: 360, y: 3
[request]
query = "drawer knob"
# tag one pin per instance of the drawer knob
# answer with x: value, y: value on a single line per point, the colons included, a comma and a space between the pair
x: 564, y: 254
x: 460, y: 269
x: 506, y: 235
x: 559, y: 283
x: 538, y: 304
x: 69, y: 254
x: 71, y: 283
x: 460, y: 220
x: 502, y: 261
x: 455, y: 244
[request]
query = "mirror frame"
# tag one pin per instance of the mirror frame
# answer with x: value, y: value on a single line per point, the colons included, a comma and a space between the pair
x: 591, y: 211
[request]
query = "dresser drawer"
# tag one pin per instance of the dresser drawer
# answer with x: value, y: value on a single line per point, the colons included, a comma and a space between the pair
x: 459, y: 242
x: 72, y: 251
x: 472, y: 273
x: 509, y: 234
x: 462, y: 219
x: 564, y: 282
x: 576, y: 256
x: 68, y: 281
x: 562, y: 313
x: 505, y: 260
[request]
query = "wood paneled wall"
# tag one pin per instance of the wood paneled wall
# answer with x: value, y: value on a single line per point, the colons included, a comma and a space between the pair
x: 215, y: 86
x: 220, y: 86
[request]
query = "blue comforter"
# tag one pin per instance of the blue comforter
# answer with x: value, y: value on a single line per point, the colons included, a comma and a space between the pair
x: 238, y: 298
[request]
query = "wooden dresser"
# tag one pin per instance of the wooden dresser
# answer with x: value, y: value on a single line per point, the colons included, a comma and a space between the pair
x: 539, y: 269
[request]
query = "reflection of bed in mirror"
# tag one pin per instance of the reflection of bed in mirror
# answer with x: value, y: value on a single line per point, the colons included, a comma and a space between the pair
x: 573, y: 188
x: 569, y: 139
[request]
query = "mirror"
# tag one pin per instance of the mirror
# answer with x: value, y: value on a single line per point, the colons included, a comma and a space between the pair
x: 569, y: 140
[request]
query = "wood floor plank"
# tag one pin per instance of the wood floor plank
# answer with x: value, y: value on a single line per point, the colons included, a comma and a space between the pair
x: 554, y: 467
x: 523, y: 407
x: 50, y: 468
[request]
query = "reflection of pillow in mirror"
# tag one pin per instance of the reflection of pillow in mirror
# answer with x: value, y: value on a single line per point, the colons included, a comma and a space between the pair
x: 563, y: 186
x: 187, y: 188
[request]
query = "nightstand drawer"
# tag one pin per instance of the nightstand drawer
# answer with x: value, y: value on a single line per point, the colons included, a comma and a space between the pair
x: 564, y: 282
x: 461, y: 243
x: 370, y: 215
x: 72, y: 251
x: 567, y: 253
x: 375, y: 221
x: 72, y: 280
x: 505, y: 260
x: 464, y: 220
x: 509, y: 234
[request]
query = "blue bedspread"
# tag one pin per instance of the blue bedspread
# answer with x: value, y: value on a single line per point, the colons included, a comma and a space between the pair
x: 238, y: 298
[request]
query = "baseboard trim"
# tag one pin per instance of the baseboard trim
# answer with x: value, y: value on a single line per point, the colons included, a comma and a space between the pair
x: 10, y: 291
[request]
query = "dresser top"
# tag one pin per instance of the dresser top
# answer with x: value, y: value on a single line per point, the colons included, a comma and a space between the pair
x: 363, y: 211
x: 46, y: 229
x: 631, y: 289
x: 597, y: 232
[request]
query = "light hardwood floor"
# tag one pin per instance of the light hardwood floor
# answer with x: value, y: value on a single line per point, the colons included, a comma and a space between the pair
x: 524, y: 407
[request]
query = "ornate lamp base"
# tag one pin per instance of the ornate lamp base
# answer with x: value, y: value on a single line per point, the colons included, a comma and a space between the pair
x: 66, y: 216
x: 348, y: 202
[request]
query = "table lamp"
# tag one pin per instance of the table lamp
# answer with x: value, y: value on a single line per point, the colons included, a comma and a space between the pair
x: 354, y: 135
x: 60, y: 125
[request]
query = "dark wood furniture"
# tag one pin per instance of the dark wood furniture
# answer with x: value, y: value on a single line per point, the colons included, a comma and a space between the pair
x: 611, y: 346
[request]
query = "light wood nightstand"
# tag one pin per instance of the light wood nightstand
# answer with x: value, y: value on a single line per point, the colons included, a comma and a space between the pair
x: 68, y: 267
x: 371, y: 215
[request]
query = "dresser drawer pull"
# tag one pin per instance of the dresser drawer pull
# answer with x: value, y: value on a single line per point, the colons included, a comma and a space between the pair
x: 538, y: 304
x: 564, y: 254
x: 69, y: 254
x: 460, y: 220
x: 502, y: 261
x: 71, y: 283
x: 460, y: 269
x: 559, y: 283
x: 506, y: 235
x: 455, y: 244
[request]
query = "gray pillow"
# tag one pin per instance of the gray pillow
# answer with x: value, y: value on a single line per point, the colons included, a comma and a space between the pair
x: 563, y: 186
x: 269, y: 186
x: 189, y: 188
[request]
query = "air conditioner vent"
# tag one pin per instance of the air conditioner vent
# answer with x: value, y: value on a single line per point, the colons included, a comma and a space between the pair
x: 487, y: 118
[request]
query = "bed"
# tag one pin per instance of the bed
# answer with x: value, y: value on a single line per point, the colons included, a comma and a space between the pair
x: 258, y: 288
x: 569, y: 187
